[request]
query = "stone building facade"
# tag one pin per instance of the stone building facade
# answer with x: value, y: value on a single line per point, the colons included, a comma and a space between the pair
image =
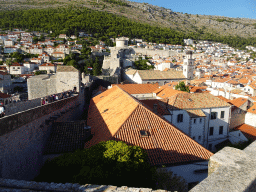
x: 121, y: 57
x: 66, y: 78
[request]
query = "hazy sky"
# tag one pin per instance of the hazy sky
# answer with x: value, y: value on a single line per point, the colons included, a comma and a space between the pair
x: 228, y: 8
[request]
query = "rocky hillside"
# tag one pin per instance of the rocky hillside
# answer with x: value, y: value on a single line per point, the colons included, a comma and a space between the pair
x: 153, y: 15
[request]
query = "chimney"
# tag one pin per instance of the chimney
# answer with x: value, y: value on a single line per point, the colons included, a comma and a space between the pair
x: 155, y: 108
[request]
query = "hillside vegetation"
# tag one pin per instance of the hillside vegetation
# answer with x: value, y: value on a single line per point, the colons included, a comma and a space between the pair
x: 112, y: 18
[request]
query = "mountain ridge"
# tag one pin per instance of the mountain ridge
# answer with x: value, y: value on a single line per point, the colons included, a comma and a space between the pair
x: 150, y: 14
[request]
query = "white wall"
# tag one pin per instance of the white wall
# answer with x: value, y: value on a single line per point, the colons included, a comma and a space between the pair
x: 236, y: 137
x: 137, y: 79
x: 216, y: 123
x: 250, y: 119
x: 197, y: 129
x: 183, y: 126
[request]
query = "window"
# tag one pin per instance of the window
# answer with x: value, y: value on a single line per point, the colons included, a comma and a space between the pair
x: 194, y: 137
x: 200, y: 120
x: 213, y: 115
x: 143, y: 133
x: 221, y: 130
x: 194, y: 120
x: 180, y: 118
x: 222, y: 114
x: 210, y: 147
x: 199, y: 138
x: 211, y: 131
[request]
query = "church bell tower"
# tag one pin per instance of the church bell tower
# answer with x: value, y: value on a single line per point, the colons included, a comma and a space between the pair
x: 188, y: 66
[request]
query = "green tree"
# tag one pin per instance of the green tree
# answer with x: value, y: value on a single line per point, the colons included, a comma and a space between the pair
x: 35, y: 39
x: 182, y: 87
x: 96, y: 67
x: 8, y: 63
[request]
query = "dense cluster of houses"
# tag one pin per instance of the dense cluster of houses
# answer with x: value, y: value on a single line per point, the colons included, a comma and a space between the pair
x: 177, y: 128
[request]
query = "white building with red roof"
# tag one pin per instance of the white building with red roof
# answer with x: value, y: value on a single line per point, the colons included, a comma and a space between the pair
x: 48, y: 67
x: 116, y: 115
x: 8, y: 43
x: 17, y: 69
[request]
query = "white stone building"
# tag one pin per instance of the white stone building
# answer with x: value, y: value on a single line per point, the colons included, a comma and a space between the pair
x: 48, y: 67
x: 17, y: 69
x: 8, y: 43
x: 202, y: 116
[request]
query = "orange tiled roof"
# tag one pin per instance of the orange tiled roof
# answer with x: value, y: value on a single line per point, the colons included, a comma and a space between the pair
x: 168, y: 92
x: 238, y: 102
x: 138, y: 88
x: 252, y: 109
x: 223, y: 98
x: 115, y: 115
x: 161, y: 106
x: 47, y: 65
x: 186, y: 100
x: 248, y: 131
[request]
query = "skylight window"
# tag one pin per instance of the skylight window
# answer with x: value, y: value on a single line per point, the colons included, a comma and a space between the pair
x: 143, y: 133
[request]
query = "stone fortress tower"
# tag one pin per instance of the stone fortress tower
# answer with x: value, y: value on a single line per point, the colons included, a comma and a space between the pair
x: 188, y: 66
x: 120, y: 57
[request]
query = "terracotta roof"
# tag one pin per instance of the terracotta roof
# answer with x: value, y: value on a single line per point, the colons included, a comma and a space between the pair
x: 161, y: 106
x: 252, y: 109
x: 223, y: 98
x: 4, y: 95
x: 115, y: 115
x: 57, y: 53
x: 195, y: 101
x: 167, y: 92
x: 66, y: 69
x: 131, y: 72
x: 16, y: 64
x: 197, y: 89
x: 236, y: 91
x: 138, y: 88
x: 47, y: 65
x: 248, y: 131
x: 156, y: 74
x: 196, y: 113
x: 238, y: 102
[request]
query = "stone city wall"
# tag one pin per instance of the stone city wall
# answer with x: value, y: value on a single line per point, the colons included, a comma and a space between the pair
x: 24, y: 135
x: 230, y: 170
x: 21, y: 185
x: 152, y: 52
x: 17, y: 107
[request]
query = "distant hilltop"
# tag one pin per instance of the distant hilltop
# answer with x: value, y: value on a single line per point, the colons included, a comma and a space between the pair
x: 150, y: 14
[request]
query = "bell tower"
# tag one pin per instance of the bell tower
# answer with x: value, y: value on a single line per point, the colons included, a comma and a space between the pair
x: 188, y: 66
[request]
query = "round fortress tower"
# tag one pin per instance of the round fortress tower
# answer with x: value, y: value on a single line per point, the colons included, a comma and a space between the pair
x: 122, y: 42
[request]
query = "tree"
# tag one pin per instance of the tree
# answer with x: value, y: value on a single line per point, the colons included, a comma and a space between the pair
x: 182, y: 87
x: 8, y: 63
x: 96, y: 67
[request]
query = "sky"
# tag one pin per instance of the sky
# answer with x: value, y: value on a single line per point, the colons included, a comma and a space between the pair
x: 227, y: 8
